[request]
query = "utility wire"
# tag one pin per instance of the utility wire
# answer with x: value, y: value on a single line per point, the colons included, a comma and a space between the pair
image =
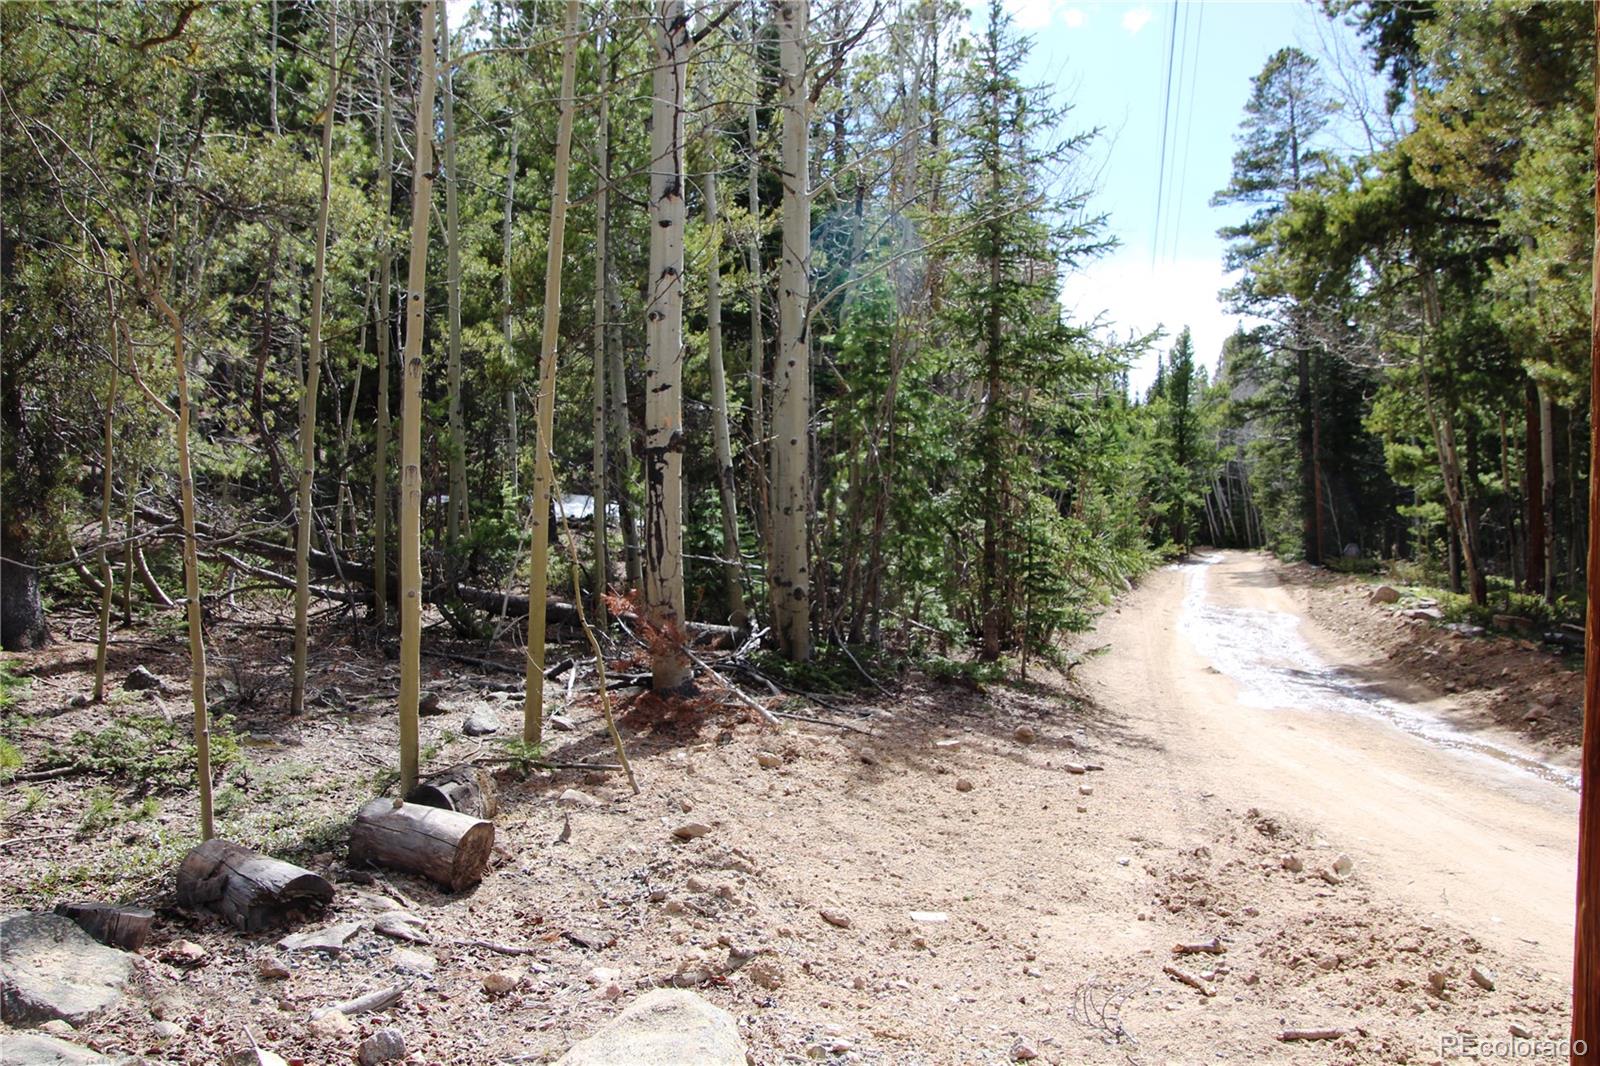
x: 1188, y: 131
x: 1166, y: 112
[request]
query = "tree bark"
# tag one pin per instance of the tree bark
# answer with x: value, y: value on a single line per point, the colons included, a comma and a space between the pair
x: 380, y: 456
x: 790, y: 575
x: 1533, y: 575
x: 602, y: 222
x: 663, y: 417
x: 411, y: 416
x: 304, y: 518
x: 102, y: 645
x: 456, y: 522
x: 252, y: 891
x: 447, y: 847
x: 466, y: 788
x: 1547, y: 490
x: 543, y: 475
x: 732, y: 568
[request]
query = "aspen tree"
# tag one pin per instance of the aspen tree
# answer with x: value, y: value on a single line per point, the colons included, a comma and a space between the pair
x: 758, y: 348
x: 543, y: 475
x: 380, y: 459
x: 663, y: 376
x: 732, y: 572
x: 513, y: 439
x: 305, y: 519
x: 411, y: 417
x: 456, y: 520
x: 791, y: 385
x: 602, y: 223
x: 105, y: 500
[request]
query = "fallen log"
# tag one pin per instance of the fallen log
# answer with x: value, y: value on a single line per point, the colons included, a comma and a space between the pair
x: 252, y: 891
x: 447, y: 847
x: 378, y: 999
x: 466, y: 788
x: 118, y: 927
x: 1289, y: 1035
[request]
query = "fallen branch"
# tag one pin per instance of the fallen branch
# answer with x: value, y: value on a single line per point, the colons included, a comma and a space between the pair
x: 380, y: 999
x: 1310, y: 1034
x: 1185, y: 977
x: 504, y: 949
x: 824, y: 721
x: 1214, y: 946
x: 765, y: 714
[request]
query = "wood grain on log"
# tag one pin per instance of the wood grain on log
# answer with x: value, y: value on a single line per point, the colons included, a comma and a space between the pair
x: 447, y: 847
x: 118, y: 927
x: 252, y: 891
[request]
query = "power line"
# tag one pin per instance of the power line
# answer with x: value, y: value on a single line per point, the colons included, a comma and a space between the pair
x: 1166, y: 112
x: 1174, y: 187
x: 1188, y: 131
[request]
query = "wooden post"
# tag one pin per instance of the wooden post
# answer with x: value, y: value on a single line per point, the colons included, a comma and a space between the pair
x: 1586, y: 950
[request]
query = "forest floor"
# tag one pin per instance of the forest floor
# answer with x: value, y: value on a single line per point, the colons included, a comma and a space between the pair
x: 984, y: 897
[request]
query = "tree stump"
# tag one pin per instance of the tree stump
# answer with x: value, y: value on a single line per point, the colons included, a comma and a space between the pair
x: 117, y: 927
x: 466, y: 788
x: 447, y: 847
x: 252, y: 891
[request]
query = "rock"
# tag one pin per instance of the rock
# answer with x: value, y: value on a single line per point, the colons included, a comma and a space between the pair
x: 501, y: 982
x: 142, y: 680
x: 80, y: 700
x: 272, y: 968
x: 602, y: 975
x: 1023, y: 1051
x: 1025, y: 734
x: 1293, y: 863
x: 963, y: 785
x: 1343, y: 865
x: 691, y: 830
x: 385, y: 1045
x: 835, y: 918
x: 1521, y: 1032
x: 1385, y: 594
x: 331, y: 938
x: 49, y: 968
x: 59, y: 1028
x: 1424, y: 614
x: 28, y: 1049
x: 1437, y: 980
x: 695, y: 883
x: 403, y: 925
x: 406, y: 961
x: 255, y: 1056
x: 1085, y: 790
x: 947, y: 745
x: 1536, y: 714
x: 768, y: 761
x: 575, y: 798
x: 1123, y: 860
x: 562, y: 723
x: 1482, y: 977
x: 935, y: 917
x: 666, y: 1027
x: 480, y: 724
x: 185, y: 953
x: 430, y: 704
x: 332, y: 1026
x: 765, y: 972
x: 166, y: 1031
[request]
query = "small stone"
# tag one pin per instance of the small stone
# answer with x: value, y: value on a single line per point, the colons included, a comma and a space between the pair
x: 766, y: 973
x: 331, y: 939
x: 695, y: 883
x: 500, y: 982
x: 835, y: 918
x: 405, y: 960
x: 165, y: 1031
x: 385, y: 1045
x: 1293, y: 863
x: 57, y: 1027
x: 272, y: 968
x: 254, y: 1056
x: 947, y: 745
x: 691, y: 830
x: 929, y: 916
x: 1520, y: 1031
x: 1025, y: 734
x: 562, y: 723
x: 1023, y: 1050
x: 1437, y: 980
x: 1123, y: 860
x: 80, y: 700
x: 1385, y: 594
x: 480, y: 724
x: 332, y: 1026
x: 574, y: 798
x: 602, y: 975
x: 1482, y: 977
x: 430, y: 703
x: 185, y: 953
x: 141, y: 680
x: 768, y: 761
x: 963, y: 785
x: 1085, y: 790
x: 1343, y: 865
x: 1082, y: 809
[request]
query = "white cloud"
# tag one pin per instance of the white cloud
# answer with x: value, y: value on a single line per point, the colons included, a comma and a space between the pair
x: 1073, y: 17
x: 1133, y: 299
x: 1031, y: 15
x: 1135, y: 20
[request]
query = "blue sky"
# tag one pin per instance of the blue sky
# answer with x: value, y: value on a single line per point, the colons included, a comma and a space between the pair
x: 1109, y: 61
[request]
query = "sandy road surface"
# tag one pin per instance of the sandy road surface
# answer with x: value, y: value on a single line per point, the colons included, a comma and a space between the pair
x: 1214, y: 659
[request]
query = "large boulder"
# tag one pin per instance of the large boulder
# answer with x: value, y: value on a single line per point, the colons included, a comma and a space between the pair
x: 34, y: 1049
x: 50, y: 968
x: 667, y: 1027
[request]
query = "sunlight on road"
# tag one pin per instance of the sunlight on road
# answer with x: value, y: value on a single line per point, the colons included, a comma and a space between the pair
x: 1262, y: 652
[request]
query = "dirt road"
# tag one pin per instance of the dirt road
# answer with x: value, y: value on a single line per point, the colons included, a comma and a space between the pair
x: 1214, y: 661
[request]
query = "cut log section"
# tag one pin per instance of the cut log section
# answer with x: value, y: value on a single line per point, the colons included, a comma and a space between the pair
x: 251, y: 890
x: 447, y: 847
x: 117, y: 927
x: 466, y: 788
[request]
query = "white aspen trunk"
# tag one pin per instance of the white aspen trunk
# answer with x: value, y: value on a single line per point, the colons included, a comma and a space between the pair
x: 663, y: 373
x: 104, y: 643
x: 758, y: 347
x: 791, y: 385
x: 732, y: 570
x: 513, y: 439
x: 411, y: 416
x: 304, y: 519
x: 622, y: 437
x: 543, y: 475
x: 456, y: 521
x: 380, y: 458
x: 602, y: 222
